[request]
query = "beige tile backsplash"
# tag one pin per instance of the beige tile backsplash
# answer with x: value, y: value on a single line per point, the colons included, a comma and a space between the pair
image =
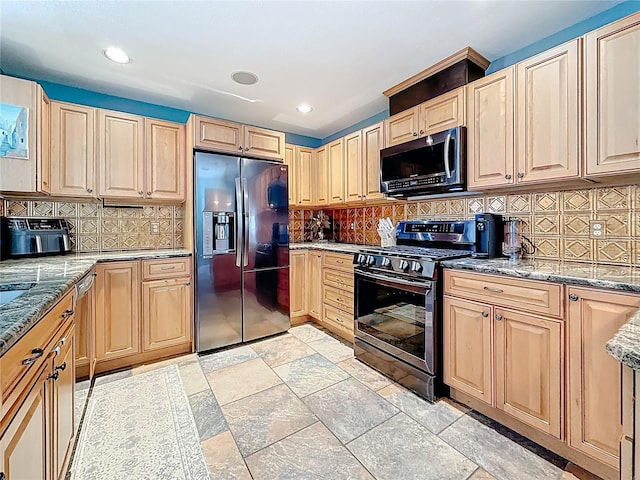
x: 94, y: 227
x: 558, y: 222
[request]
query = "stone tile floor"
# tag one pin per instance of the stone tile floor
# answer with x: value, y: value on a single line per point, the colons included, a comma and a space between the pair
x: 299, y: 406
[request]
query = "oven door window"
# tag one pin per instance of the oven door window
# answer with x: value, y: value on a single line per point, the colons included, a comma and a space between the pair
x: 395, y: 314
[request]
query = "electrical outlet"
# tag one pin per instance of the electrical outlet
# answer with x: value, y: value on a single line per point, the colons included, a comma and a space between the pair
x: 597, y: 229
x: 352, y: 226
x: 155, y: 228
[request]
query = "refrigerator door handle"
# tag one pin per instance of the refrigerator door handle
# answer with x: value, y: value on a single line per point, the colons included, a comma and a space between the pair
x: 245, y: 221
x: 239, y: 221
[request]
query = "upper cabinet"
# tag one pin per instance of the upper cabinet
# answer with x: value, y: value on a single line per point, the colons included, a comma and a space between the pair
x: 223, y: 136
x: 320, y: 176
x: 303, y: 162
x: 293, y: 180
x: 435, y: 115
x: 612, y: 98
x: 353, y: 166
x: 372, y: 143
x: 335, y: 160
x: 547, y: 130
x: 490, y: 130
x: 24, y: 148
x: 140, y: 158
x: 72, y: 155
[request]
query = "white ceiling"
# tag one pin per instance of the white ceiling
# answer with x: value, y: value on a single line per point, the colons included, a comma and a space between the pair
x: 338, y: 56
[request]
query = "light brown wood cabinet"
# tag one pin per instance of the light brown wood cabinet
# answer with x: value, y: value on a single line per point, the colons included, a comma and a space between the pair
x: 303, y: 159
x: 594, y: 384
x: 223, y: 136
x: 73, y: 152
x: 62, y: 404
x: 547, y: 126
x: 490, y: 133
x: 372, y: 143
x: 117, y: 332
x: 353, y: 167
x: 293, y: 181
x: 509, y: 359
x: 335, y: 163
x: 164, y: 166
x: 43, y: 144
x: 166, y: 313
x: 85, y: 315
x: 314, y: 280
x: 612, y: 98
x: 337, y: 297
x: 298, y: 283
x: 440, y: 113
x: 320, y: 177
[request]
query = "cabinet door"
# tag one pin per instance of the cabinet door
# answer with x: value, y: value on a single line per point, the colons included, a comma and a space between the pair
x: 25, y: 443
x: 289, y: 161
x: 548, y: 115
x: 218, y: 135
x: 166, y: 313
x: 529, y: 365
x: 314, y: 280
x: 335, y: 155
x: 612, y: 98
x: 263, y: 143
x: 353, y: 166
x: 443, y: 112
x: 490, y: 130
x: 72, y: 150
x: 84, y: 315
x: 165, y: 160
x: 63, y: 424
x: 468, y: 347
x: 320, y: 179
x: 401, y: 127
x: 43, y: 143
x: 595, y: 426
x: 120, y: 155
x: 298, y: 283
x: 303, y: 159
x: 372, y: 143
x: 117, y: 323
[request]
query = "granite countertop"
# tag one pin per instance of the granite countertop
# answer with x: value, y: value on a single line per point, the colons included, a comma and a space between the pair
x: 50, y: 278
x: 329, y: 246
x: 625, y: 345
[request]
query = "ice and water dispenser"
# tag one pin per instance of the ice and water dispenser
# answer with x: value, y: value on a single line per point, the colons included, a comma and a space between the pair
x: 218, y: 233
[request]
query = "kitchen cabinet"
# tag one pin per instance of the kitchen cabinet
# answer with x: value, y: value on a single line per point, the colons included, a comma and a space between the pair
x: 440, y: 113
x: 166, y: 313
x: 314, y: 280
x: 612, y: 98
x: 548, y: 108
x: 353, y: 171
x: 594, y: 383
x: 62, y: 404
x: 320, y: 177
x: 72, y: 150
x: 230, y: 137
x: 517, y: 367
x: 43, y: 144
x: 120, y: 155
x: 298, y: 283
x: 335, y: 161
x: 165, y: 165
x: 372, y: 143
x: 303, y: 161
x: 117, y: 332
x: 20, y: 166
x: 293, y: 181
x: 84, y: 333
x: 490, y: 130
x: 337, y: 294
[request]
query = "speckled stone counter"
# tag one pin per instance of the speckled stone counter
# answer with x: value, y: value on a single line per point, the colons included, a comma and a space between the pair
x: 625, y: 345
x: 50, y: 278
x: 329, y: 246
x: 610, y: 277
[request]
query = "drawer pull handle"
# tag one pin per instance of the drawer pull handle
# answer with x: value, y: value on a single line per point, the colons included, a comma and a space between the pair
x: 61, y: 367
x: 188, y: 283
x: 67, y: 313
x: 62, y: 341
x: 573, y: 297
x: 339, y: 261
x: 56, y: 350
x: 498, y: 317
x: 53, y: 376
x: 339, y: 299
x: 485, y: 314
x: 338, y: 320
x: 36, y: 354
x: 170, y: 267
x: 494, y: 290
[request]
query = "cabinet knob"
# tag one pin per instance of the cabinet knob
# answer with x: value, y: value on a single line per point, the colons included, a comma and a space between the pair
x: 89, y: 190
x: 507, y: 176
x: 421, y: 132
x: 415, y: 134
x: 188, y: 283
x: 61, y: 367
x: 148, y: 194
x: 520, y: 175
x: 140, y: 192
x: 67, y: 313
x: 53, y: 376
x: 573, y: 297
x: 485, y: 314
x: 498, y: 317
x: 240, y: 148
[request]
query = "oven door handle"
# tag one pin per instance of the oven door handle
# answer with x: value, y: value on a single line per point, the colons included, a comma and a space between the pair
x: 392, y: 280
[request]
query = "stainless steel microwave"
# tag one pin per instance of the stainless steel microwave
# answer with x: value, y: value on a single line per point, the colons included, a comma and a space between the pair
x: 432, y: 164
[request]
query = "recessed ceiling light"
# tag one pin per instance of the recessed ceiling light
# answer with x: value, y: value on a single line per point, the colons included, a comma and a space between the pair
x: 304, y: 108
x: 244, y: 78
x: 116, y: 54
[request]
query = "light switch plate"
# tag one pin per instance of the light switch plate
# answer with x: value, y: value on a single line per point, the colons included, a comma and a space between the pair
x: 597, y: 229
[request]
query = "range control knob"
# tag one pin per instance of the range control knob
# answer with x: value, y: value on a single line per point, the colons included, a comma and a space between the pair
x: 416, y: 267
x: 404, y: 265
x: 361, y: 258
x: 371, y: 260
x: 385, y: 262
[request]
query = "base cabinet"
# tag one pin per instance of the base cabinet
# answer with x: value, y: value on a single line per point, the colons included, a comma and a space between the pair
x: 164, y: 304
x: 314, y: 280
x: 298, y: 283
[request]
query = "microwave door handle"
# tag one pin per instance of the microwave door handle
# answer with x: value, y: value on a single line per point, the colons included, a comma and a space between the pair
x: 239, y: 222
x: 447, y: 169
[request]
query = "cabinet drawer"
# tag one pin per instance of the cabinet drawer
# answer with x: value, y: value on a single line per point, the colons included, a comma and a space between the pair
x: 338, y: 319
x: 528, y: 295
x: 166, y: 268
x: 337, y: 279
x: 33, y: 346
x: 338, y: 261
x: 339, y: 299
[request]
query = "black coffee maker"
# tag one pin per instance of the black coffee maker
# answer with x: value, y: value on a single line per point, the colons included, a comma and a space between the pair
x: 489, y: 234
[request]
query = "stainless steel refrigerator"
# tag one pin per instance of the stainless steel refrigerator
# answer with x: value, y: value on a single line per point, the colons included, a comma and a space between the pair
x: 241, y: 221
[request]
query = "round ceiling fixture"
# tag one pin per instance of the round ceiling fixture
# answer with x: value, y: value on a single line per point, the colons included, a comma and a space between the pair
x: 244, y: 78
x: 304, y: 108
x: 117, y: 55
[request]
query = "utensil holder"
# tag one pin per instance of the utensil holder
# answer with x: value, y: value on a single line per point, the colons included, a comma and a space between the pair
x: 387, y: 239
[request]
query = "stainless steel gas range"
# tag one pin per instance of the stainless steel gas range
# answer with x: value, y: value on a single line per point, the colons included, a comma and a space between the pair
x: 398, y: 297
